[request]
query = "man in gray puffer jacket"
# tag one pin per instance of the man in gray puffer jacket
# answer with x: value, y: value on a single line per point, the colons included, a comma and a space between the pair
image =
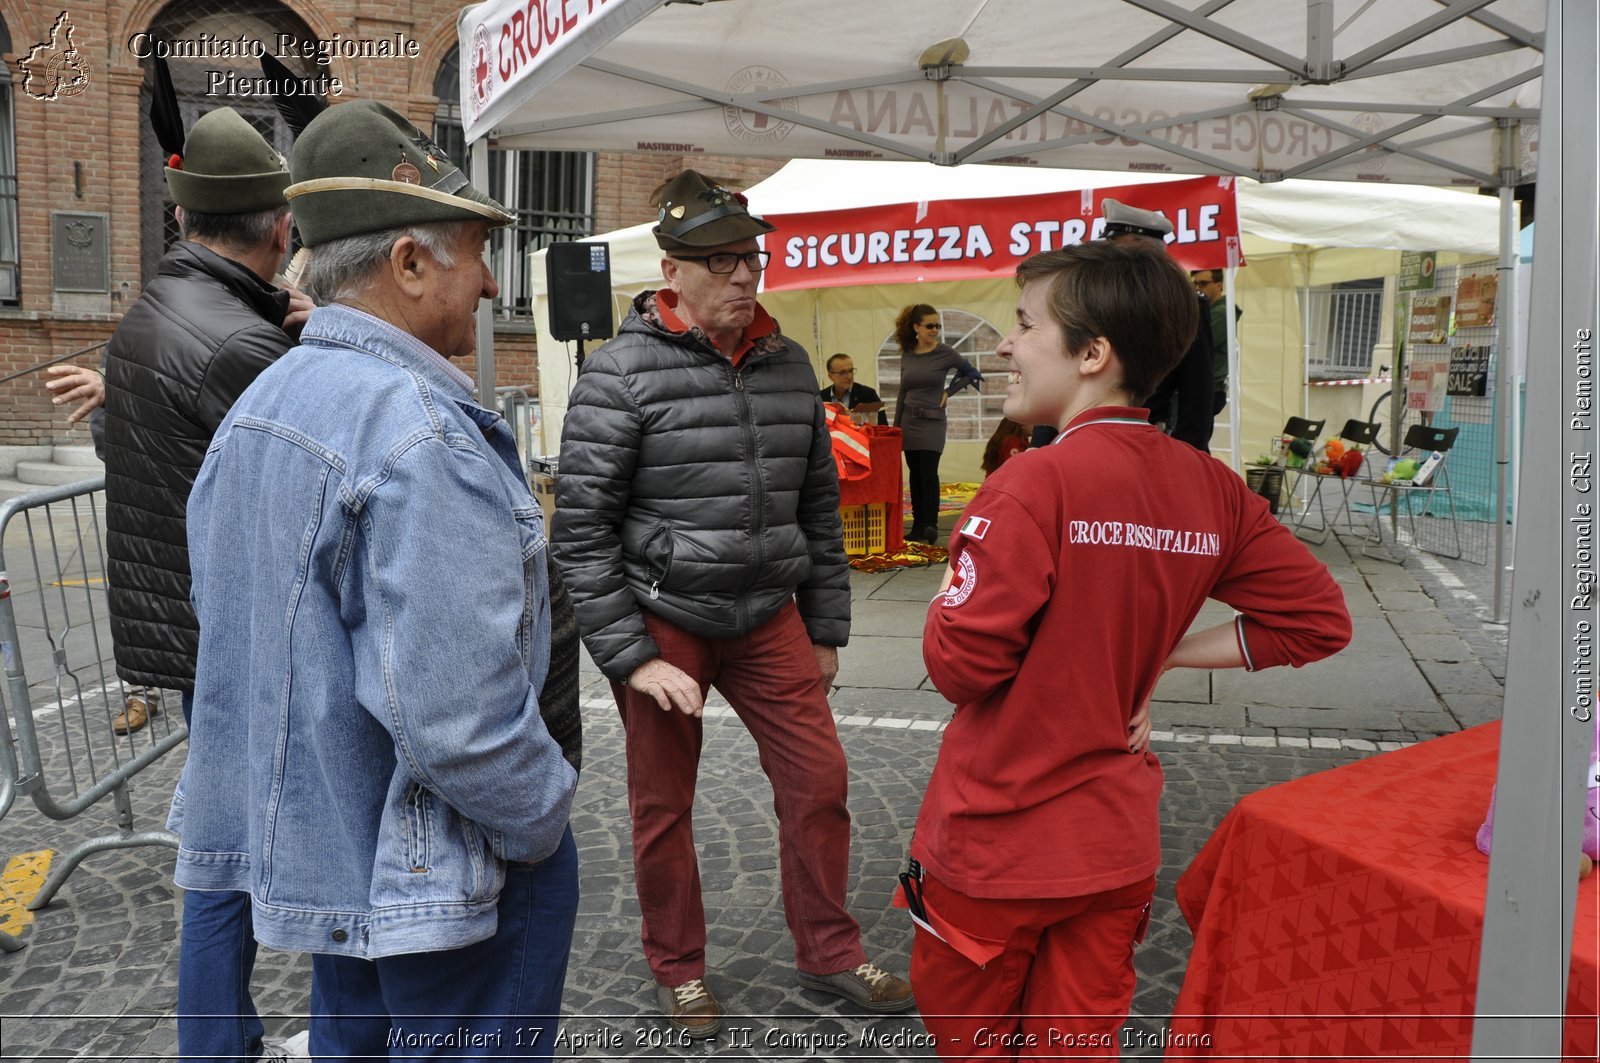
x: 698, y: 530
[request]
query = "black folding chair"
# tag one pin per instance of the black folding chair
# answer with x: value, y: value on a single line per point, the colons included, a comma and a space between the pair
x: 1422, y: 441
x: 1354, y: 433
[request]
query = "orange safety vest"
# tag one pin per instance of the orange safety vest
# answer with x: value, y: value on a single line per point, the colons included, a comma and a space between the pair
x: 852, y: 453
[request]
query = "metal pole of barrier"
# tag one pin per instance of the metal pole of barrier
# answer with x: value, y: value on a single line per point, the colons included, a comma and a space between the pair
x: 8, y: 778
x: 95, y: 763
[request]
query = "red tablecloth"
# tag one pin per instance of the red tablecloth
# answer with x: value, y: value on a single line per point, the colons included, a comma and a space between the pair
x: 883, y: 485
x: 1338, y: 916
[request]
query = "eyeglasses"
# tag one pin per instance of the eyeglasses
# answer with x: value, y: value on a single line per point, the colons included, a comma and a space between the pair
x: 842, y: 372
x: 728, y: 261
x: 935, y: 327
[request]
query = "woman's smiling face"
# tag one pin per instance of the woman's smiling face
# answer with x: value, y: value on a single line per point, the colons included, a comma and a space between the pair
x: 1044, y: 374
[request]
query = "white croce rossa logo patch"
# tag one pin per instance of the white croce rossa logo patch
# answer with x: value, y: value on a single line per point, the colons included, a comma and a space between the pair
x: 966, y: 581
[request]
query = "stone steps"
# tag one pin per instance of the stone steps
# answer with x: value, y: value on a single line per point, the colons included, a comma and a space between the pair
x: 49, y: 468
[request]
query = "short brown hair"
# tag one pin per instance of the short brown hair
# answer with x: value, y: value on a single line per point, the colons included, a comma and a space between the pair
x: 1131, y: 293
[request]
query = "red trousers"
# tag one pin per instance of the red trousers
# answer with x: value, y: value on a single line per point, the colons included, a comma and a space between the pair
x: 771, y: 679
x: 1060, y: 986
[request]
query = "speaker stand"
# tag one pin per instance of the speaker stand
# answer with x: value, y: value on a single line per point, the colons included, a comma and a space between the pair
x: 580, y: 356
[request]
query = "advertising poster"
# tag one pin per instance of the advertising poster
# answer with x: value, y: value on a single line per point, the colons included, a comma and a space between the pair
x: 1475, y: 298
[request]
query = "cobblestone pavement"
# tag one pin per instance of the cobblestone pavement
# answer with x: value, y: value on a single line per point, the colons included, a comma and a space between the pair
x: 97, y: 978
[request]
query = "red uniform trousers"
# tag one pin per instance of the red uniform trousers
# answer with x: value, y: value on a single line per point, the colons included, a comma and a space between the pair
x: 770, y: 677
x: 1061, y: 985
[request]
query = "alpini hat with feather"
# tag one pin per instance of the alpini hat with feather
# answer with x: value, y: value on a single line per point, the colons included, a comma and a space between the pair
x: 695, y: 211
x: 361, y: 167
x: 227, y: 168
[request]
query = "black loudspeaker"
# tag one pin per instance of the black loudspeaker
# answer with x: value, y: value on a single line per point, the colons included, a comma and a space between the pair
x: 578, y: 277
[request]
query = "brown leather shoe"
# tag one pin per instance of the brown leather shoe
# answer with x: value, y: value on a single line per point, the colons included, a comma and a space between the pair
x: 868, y: 986
x: 690, y: 1009
x: 136, y: 712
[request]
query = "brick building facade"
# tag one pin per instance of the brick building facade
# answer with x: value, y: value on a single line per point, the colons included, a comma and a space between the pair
x: 84, y: 216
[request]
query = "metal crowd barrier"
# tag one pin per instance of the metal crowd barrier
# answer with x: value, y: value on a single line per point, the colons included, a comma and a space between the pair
x: 521, y: 412
x: 58, y: 744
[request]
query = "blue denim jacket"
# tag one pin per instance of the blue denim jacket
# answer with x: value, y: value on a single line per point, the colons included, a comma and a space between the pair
x: 369, y: 574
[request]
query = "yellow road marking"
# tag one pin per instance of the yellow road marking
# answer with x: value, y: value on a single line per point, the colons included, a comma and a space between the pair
x: 20, y: 883
x: 94, y: 582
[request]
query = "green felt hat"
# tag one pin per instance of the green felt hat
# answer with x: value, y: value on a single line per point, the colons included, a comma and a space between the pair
x: 227, y: 168
x: 361, y: 167
x: 696, y: 212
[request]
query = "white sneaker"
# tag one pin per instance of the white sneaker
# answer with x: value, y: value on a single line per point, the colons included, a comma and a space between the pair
x: 287, y: 1049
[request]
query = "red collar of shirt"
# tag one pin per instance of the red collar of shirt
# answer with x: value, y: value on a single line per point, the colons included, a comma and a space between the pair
x: 762, y: 325
x: 1115, y: 414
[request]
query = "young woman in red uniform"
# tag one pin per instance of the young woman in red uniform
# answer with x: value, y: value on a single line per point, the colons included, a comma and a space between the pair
x: 1074, y: 577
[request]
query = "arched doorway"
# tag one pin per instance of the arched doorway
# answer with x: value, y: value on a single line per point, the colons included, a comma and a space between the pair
x: 186, y: 20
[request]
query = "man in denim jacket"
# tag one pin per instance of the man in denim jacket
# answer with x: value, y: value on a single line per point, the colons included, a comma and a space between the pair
x: 369, y: 574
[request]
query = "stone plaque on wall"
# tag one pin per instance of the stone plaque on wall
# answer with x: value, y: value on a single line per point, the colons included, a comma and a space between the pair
x: 79, y: 252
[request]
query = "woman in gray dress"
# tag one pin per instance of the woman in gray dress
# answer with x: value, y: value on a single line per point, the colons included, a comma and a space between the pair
x: 919, y: 408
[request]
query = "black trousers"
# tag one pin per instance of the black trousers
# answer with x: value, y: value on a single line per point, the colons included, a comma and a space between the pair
x: 923, y: 467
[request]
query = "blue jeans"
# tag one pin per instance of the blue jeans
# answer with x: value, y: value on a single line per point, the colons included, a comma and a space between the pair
x: 499, y: 998
x: 216, y: 1018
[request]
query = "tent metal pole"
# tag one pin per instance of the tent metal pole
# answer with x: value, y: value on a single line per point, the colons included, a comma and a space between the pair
x: 1305, y: 331
x: 1505, y: 373
x: 485, y: 366
x: 1549, y: 719
x: 1230, y: 294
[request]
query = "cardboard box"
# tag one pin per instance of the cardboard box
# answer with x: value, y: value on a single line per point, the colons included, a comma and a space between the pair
x: 544, y: 489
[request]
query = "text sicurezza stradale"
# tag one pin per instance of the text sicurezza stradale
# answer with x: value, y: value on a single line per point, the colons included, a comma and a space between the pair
x: 282, y: 46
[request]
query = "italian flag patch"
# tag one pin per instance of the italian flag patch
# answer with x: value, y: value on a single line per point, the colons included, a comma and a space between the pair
x: 975, y: 527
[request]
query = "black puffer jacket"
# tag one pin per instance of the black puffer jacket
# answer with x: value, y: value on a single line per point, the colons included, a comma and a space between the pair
x: 703, y: 493
x: 201, y: 332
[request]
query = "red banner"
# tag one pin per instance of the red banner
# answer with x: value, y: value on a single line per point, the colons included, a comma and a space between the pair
x: 957, y: 239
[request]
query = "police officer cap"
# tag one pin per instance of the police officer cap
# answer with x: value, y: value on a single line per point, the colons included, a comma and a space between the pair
x: 1122, y: 219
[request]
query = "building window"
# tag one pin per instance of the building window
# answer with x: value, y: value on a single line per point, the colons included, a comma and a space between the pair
x: 551, y: 192
x: 974, y: 413
x: 1343, y: 324
x: 10, y: 258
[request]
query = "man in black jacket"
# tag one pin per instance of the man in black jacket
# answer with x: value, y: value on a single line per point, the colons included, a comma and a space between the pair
x: 1182, y: 402
x: 698, y: 529
x: 203, y: 329
x: 859, y: 399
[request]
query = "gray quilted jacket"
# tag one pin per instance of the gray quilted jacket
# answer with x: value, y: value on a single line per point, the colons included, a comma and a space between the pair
x: 700, y: 492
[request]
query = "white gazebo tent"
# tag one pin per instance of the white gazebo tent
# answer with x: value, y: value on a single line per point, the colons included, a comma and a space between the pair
x: 1295, y: 233
x: 1427, y: 91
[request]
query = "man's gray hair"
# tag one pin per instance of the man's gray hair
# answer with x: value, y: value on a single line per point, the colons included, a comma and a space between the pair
x: 342, y: 269
x: 240, y: 232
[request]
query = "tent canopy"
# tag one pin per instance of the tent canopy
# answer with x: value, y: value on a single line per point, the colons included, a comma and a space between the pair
x: 1403, y: 90
x: 1274, y: 218
x: 1294, y: 233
